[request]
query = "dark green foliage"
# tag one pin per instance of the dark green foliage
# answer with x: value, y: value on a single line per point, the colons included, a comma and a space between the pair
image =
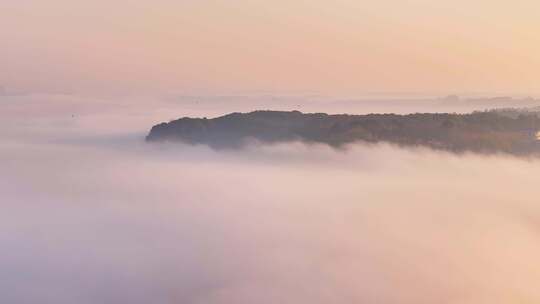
x: 487, y: 132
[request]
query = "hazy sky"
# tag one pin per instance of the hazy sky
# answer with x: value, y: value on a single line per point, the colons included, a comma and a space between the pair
x: 333, y: 47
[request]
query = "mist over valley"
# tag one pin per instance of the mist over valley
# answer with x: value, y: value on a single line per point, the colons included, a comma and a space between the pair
x: 94, y: 214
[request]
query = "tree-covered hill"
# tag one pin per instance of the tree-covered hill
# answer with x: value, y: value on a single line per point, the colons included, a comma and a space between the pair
x: 484, y: 132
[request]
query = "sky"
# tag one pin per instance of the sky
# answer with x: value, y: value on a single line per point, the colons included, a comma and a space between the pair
x: 340, y: 47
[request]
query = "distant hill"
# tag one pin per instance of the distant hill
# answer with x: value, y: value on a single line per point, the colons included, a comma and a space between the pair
x: 482, y: 132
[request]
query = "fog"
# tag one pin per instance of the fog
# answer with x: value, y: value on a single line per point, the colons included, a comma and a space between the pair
x: 93, y: 214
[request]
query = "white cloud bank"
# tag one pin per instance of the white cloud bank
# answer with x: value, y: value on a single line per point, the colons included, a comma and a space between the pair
x: 91, y: 214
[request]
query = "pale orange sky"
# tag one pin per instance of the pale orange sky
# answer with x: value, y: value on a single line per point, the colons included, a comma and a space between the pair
x: 331, y: 47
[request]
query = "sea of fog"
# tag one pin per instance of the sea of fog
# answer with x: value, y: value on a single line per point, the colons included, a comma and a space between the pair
x: 93, y: 214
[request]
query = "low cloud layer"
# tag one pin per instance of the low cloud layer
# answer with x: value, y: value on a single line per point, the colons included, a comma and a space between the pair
x: 92, y: 214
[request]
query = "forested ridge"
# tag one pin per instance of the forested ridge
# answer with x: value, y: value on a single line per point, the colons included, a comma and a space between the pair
x: 484, y: 132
